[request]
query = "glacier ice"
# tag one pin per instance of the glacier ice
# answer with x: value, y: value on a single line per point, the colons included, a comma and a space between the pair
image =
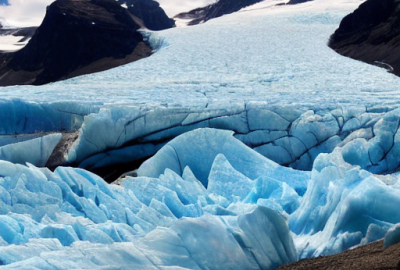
x: 39, y: 152
x: 120, y: 135
x: 227, y: 195
x: 207, y: 144
x: 392, y: 237
x: 343, y: 204
x: 304, y: 89
x: 72, y: 206
x: 218, y: 128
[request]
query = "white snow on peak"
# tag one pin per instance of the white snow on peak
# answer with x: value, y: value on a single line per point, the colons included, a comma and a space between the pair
x: 22, y: 13
x: 4, y: 23
x: 174, y: 7
x: 12, y: 43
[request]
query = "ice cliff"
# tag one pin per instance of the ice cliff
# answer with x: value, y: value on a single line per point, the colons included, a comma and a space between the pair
x: 291, y: 135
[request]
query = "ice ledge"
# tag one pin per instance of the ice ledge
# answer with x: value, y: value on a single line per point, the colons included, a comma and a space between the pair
x: 291, y: 135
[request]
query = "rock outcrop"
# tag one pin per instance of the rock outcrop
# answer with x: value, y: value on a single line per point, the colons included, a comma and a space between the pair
x: 150, y: 12
x: 218, y: 9
x: 371, y: 34
x: 75, y: 38
x: 372, y: 256
x: 293, y: 2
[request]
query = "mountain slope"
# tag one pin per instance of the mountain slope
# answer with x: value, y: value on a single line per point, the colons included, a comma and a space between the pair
x: 372, y: 256
x: 371, y: 34
x: 75, y: 38
x: 150, y: 12
x: 218, y: 9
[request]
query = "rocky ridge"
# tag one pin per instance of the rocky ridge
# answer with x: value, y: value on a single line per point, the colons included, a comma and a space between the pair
x: 150, y: 13
x: 371, y: 34
x: 371, y: 256
x: 218, y: 9
x: 75, y: 38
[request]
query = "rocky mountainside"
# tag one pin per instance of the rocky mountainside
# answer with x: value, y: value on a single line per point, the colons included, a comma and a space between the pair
x: 75, y: 38
x: 371, y: 34
x: 150, y: 12
x: 218, y: 9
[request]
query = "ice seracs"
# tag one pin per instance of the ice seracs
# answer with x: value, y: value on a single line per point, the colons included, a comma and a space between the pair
x: 72, y: 205
x: 241, y: 202
x: 392, y: 237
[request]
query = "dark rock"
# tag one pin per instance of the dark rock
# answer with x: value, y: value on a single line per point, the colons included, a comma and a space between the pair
x: 218, y: 9
x: 150, y: 12
x: 75, y: 38
x: 371, y: 34
x: 294, y: 2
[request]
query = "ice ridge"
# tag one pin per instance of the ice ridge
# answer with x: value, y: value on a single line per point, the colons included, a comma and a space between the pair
x: 178, y: 205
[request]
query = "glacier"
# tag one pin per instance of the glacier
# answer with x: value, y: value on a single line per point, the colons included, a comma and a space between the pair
x: 262, y: 147
x: 179, y: 89
x: 243, y: 202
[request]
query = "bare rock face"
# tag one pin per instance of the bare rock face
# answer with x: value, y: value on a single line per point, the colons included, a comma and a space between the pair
x: 218, y: 9
x: 75, y: 38
x: 293, y: 2
x: 371, y: 34
x: 150, y: 12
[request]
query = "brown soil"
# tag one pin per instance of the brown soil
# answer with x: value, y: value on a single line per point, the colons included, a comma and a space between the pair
x: 368, y: 257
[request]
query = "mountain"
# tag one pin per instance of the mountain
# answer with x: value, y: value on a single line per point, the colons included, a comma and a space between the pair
x: 75, y: 38
x: 3, y: 23
x: 218, y: 9
x: 249, y: 144
x: 371, y: 34
x: 150, y: 12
